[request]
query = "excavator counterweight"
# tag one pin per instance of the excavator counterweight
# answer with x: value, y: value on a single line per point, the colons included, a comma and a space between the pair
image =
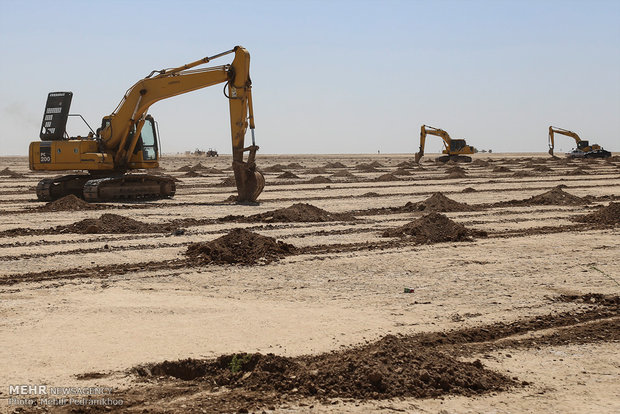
x: 128, y: 140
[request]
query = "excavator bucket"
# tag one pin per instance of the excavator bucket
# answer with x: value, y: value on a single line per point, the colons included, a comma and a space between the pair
x: 551, y: 151
x: 418, y: 156
x: 250, y: 183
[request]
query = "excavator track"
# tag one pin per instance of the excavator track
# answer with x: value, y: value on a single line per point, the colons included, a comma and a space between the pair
x: 455, y: 158
x: 122, y: 187
x: 129, y: 187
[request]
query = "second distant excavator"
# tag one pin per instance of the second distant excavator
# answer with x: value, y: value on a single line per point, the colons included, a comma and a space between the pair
x: 455, y: 149
x: 128, y: 138
x: 583, y: 150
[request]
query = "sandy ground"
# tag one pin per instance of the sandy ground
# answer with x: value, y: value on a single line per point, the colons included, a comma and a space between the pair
x: 72, y: 304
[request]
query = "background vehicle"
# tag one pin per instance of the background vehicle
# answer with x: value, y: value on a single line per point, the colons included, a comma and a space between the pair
x: 128, y: 139
x: 583, y: 150
x: 453, y: 148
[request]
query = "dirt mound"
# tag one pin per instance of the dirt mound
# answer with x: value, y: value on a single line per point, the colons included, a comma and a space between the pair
x: 577, y: 171
x: 366, y: 168
x: 387, y: 177
x: 192, y: 173
x: 317, y: 170
x: 227, y: 182
x: 457, y: 174
x: 401, y: 171
x: 389, y: 368
x: 287, y: 174
x: 11, y: 174
x: 334, y: 165
x: 376, y: 164
x: 433, y: 228
x: 273, y: 169
x: 343, y: 174
x: 212, y: 170
x: 501, y: 168
x: 371, y: 194
x: 185, y: 168
x: 555, y: 196
x: 319, y: 179
x: 300, y: 212
x: 240, y: 246
x: 605, y: 215
x: 114, y: 224
x: 480, y: 163
x: 69, y: 203
x: 406, y: 164
x: 294, y: 165
x: 199, y: 166
x: 455, y: 169
x: 436, y: 202
x: 522, y: 173
x: 542, y: 168
x: 469, y: 190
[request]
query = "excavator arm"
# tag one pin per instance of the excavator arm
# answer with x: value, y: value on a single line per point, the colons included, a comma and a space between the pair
x: 424, y: 130
x: 120, y: 131
x: 554, y: 130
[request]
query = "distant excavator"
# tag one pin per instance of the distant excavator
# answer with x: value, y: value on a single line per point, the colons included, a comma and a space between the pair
x: 128, y: 138
x: 455, y: 149
x: 583, y: 150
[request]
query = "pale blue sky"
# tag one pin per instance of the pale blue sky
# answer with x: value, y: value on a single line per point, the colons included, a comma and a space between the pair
x: 328, y: 76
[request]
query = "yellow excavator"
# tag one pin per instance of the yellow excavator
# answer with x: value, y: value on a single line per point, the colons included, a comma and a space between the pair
x: 583, y: 150
x: 455, y: 149
x: 128, y: 138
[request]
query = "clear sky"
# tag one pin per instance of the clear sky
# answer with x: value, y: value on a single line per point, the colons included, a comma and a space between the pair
x: 328, y: 76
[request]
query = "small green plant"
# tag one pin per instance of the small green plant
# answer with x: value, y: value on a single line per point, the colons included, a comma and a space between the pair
x: 238, y: 361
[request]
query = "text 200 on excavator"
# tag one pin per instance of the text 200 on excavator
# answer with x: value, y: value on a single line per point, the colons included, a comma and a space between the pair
x: 128, y: 139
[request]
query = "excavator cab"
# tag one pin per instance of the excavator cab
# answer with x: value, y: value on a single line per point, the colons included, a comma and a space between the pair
x: 457, y: 145
x: 582, y: 145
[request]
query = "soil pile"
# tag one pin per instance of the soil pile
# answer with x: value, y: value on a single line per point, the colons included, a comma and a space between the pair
x: 300, y: 212
x: 387, y: 177
x: 274, y: 169
x: 317, y: 170
x: 287, y: 174
x: 389, y: 368
x: 319, y: 179
x: 469, y: 190
x: 501, y: 168
x: 455, y: 169
x: 522, y: 173
x: 377, y: 164
x: 480, y: 163
x: 434, y: 228
x: 114, y: 224
x: 294, y: 165
x: 556, y: 196
x: 371, y: 194
x: 436, y: 202
x: 577, y: 171
x: 185, y: 168
x: 11, y: 174
x: 457, y: 174
x: 191, y: 173
x: 240, y: 246
x: 401, y: 171
x: 542, y: 168
x: 609, y: 215
x: 69, y: 203
x: 227, y: 182
x: 334, y: 165
x: 199, y: 166
x: 406, y: 164
x: 212, y: 170
x: 343, y: 174
x: 366, y: 168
